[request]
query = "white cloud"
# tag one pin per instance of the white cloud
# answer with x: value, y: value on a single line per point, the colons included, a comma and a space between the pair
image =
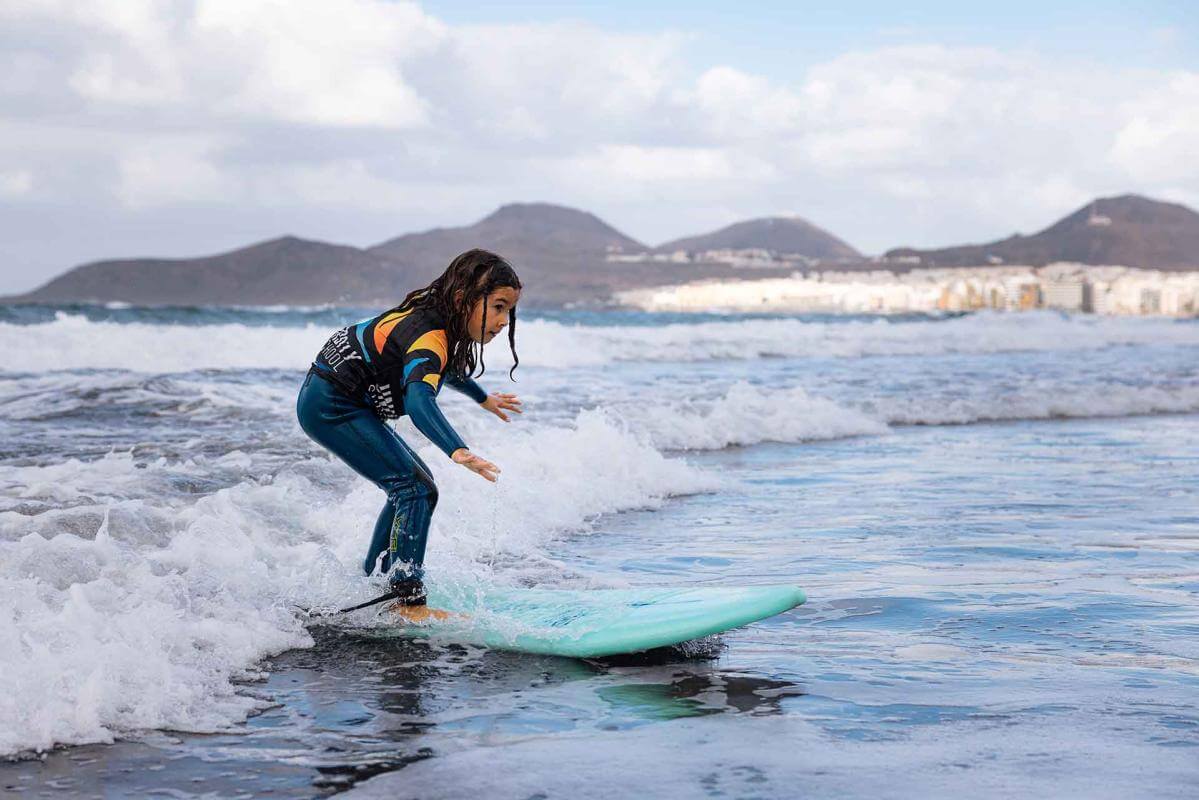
x: 735, y: 105
x: 375, y: 105
x: 636, y: 164
x: 303, y: 61
x: 319, y: 62
x: 556, y: 84
x: 345, y: 183
x: 1159, y: 140
x: 173, y: 170
x: 16, y: 183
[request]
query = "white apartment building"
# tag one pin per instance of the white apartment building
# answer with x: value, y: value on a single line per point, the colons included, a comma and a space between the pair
x: 1066, y: 295
x: 1068, y: 287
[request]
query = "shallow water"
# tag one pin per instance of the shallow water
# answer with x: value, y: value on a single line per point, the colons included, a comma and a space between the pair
x: 995, y: 521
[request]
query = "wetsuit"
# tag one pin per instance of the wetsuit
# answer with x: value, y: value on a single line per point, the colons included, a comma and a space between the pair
x: 383, y: 368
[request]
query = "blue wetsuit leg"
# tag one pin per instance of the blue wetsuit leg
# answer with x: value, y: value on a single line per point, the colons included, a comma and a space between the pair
x: 354, y: 433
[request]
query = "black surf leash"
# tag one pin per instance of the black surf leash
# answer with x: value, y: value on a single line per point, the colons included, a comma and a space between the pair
x: 391, y: 595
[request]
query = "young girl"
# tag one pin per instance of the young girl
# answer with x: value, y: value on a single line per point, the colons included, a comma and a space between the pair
x: 394, y: 364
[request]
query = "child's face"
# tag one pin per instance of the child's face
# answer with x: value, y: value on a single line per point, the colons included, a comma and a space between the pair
x: 499, y: 307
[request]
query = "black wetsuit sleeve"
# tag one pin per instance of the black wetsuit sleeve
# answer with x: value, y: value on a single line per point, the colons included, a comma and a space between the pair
x: 420, y: 403
x: 468, y: 387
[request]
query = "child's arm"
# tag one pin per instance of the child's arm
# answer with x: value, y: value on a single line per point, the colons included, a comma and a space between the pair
x: 467, y: 386
x: 420, y: 402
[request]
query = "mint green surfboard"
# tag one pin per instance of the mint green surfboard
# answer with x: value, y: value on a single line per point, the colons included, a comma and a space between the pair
x: 590, y: 623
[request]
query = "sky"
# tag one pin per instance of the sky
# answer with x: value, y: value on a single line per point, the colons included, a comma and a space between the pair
x: 131, y: 128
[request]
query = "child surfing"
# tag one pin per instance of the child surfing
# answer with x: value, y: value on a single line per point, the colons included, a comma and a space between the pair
x: 393, y: 365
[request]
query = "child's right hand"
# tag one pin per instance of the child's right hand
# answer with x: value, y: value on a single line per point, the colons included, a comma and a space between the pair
x: 476, y: 464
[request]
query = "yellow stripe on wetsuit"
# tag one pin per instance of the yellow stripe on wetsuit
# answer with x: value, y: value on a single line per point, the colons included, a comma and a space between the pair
x: 435, y: 342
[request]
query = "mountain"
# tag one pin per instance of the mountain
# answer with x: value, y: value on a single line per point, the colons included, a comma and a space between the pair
x: 287, y: 270
x: 559, y: 253
x: 1129, y: 230
x: 778, y: 234
x: 518, y: 228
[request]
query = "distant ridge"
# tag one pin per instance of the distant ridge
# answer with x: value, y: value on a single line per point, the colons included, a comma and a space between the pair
x: 287, y: 270
x: 562, y: 254
x: 559, y: 252
x: 777, y: 234
x: 518, y: 227
x: 1129, y: 230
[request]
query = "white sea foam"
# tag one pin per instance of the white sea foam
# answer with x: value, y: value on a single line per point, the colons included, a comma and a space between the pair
x: 747, y: 414
x: 74, y: 342
x: 132, y: 604
x: 558, y: 345
x: 742, y: 414
x: 1046, y: 401
x: 46, y: 396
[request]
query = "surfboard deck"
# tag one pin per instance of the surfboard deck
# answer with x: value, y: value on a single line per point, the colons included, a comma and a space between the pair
x: 589, y: 623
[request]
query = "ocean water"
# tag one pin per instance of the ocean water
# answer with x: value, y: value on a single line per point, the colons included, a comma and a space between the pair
x: 996, y: 518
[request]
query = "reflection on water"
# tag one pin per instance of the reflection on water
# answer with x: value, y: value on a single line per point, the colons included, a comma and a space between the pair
x: 690, y: 694
x: 356, y: 706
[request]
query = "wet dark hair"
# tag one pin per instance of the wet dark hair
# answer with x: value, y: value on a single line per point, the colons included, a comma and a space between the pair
x: 470, y: 277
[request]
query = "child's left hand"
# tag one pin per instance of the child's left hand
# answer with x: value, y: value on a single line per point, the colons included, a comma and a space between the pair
x: 499, y: 402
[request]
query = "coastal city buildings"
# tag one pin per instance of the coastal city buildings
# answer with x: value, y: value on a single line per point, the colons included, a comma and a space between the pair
x: 1065, y: 286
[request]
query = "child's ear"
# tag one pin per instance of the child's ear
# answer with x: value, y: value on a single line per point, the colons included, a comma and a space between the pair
x: 458, y: 297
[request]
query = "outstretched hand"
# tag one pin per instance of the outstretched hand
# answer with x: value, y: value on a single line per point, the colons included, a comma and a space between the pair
x: 476, y: 464
x: 499, y: 402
